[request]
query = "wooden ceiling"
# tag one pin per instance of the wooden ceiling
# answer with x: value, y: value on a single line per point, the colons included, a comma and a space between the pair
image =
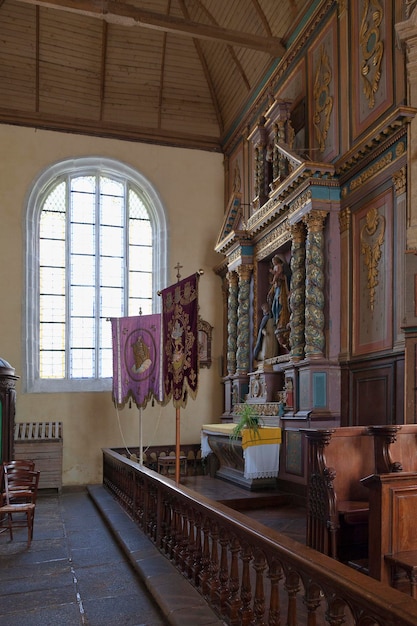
x: 174, y: 72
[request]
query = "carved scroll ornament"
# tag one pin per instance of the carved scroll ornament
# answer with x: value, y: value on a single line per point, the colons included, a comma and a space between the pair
x: 372, y: 48
x: 372, y: 237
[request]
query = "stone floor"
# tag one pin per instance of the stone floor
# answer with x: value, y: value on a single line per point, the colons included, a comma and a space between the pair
x: 89, y: 564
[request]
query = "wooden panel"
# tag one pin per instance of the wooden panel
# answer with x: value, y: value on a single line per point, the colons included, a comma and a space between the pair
x: 371, y: 87
x: 372, y: 275
x: 323, y: 94
x: 404, y: 507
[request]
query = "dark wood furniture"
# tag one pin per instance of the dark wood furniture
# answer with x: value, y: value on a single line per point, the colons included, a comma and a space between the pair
x: 392, y: 516
x: 337, y: 500
x: 7, y: 409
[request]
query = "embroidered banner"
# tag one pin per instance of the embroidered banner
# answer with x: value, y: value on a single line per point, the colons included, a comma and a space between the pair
x: 136, y: 359
x: 180, y: 340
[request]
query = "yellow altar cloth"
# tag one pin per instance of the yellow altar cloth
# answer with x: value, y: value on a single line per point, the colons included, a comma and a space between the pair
x: 265, y: 435
x: 260, y: 450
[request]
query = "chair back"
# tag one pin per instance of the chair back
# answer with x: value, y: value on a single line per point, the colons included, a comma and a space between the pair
x: 21, y: 485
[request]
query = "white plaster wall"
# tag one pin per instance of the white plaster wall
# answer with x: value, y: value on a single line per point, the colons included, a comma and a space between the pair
x: 190, y: 185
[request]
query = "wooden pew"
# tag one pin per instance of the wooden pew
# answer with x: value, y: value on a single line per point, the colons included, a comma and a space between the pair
x: 361, y: 475
x: 337, y: 501
x: 392, y: 525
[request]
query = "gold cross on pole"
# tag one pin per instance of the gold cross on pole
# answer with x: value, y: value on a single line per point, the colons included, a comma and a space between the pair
x: 178, y: 267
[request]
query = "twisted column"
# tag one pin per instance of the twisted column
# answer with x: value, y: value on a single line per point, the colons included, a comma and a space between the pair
x: 297, y: 291
x: 242, y: 353
x: 232, y: 304
x: 314, y: 302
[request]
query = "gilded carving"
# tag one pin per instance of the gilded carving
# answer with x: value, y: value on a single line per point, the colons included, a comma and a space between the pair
x: 344, y: 219
x: 323, y: 101
x: 371, y: 171
x: 400, y: 181
x: 372, y: 48
x: 372, y: 237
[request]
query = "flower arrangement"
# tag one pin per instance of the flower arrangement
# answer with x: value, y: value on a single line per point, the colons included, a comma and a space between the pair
x: 249, y: 418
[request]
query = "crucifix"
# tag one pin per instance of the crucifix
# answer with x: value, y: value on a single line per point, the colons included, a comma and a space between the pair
x: 178, y: 267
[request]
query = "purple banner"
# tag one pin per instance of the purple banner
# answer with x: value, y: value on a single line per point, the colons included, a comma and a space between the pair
x: 180, y: 340
x: 136, y: 359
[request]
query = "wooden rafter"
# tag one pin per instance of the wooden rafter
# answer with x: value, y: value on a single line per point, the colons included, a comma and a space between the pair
x: 206, y: 73
x: 128, y: 15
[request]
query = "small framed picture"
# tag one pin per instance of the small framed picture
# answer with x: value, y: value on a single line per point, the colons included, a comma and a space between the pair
x: 204, y: 342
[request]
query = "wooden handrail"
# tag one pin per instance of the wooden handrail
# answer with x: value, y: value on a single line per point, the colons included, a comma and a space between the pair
x: 249, y: 574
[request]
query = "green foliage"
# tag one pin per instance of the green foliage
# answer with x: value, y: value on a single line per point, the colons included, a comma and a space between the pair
x: 249, y: 418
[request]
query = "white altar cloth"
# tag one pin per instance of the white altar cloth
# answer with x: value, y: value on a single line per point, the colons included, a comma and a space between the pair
x: 261, y: 458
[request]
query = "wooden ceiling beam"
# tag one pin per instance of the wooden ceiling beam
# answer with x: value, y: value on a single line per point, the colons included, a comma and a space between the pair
x: 127, y: 15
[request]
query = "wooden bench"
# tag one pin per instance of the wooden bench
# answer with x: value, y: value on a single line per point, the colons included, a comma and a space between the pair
x: 392, y: 522
x: 337, y: 502
x: 344, y: 465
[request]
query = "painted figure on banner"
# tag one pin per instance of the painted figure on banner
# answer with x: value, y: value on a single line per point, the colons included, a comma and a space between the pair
x: 136, y: 359
x: 180, y: 340
x: 142, y: 356
x: 278, y: 299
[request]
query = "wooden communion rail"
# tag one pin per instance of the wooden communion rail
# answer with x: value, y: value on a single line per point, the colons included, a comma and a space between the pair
x: 251, y: 575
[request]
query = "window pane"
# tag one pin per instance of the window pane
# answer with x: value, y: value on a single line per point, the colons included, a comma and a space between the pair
x: 84, y: 183
x: 111, y: 302
x: 136, y: 207
x: 56, y: 199
x: 52, y: 225
x: 140, y: 284
x: 140, y: 233
x: 52, y: 308
x: 52, y: 364
x: 82, y: 363
x: 111, y: 211
x: 52, y: 252
x: 140, y: 258
x: 105, y: 330
x: 83, y: 209
x: 111, y: 187
x: 106, y: 363
x: 52, y: 280
x: 140, y: 306
x: 82, y: 332
x: 83, y: 239
x: 52, y: 336
x: 83, y: 270
x: 111, y: 241
x: 112, y: 272
x: 82, y: 301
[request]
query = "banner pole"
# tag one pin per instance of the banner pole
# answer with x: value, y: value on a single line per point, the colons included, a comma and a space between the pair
x: 177, y: 445
x: 140, y: 437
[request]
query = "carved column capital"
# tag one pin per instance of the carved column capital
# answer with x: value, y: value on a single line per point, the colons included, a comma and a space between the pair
x: 245, y: 272
x: 315, y: 220
x: 232, y: 278
x: 298, y: 232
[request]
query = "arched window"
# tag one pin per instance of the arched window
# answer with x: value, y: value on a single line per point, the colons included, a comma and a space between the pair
x: 95, y: 249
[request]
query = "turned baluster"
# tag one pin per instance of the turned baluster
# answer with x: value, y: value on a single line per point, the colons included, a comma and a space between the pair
x: 275, y: 575
x: 246, y: 613
x: 292, y: 585
x: 214, y: 565
x: 198, y: 552
x: 233, y: 601
x: 205, y: 561
x: 312, y: 600
x: 259, y: 599
x: 223, y: 572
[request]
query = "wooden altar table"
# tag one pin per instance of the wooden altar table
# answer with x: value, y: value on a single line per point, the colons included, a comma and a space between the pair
x: 251, y: 460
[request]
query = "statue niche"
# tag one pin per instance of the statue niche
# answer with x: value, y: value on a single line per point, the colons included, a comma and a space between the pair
x: 273, y: 332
